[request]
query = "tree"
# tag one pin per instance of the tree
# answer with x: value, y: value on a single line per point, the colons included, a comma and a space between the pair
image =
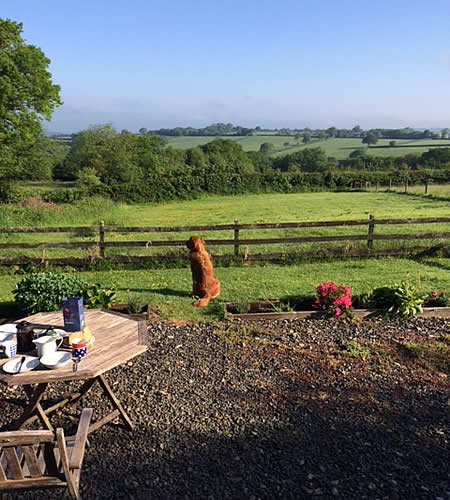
x: 392, y: 144
x: 370, y: 139
x: 445, y: 132
x: 331, y: 132
x: 306, y: 137
x: 27, y: 95
x: 356, y: 130
x: 266, y: 148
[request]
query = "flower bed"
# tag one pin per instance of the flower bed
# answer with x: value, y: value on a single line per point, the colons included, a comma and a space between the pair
x: 332, y: 300
x: 265, y: 310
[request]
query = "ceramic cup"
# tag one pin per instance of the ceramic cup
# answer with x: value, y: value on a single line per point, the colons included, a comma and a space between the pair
x: 79, y: 349
x: 9, y: 348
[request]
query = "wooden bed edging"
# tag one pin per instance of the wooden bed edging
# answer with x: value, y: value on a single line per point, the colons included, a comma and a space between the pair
x: 428, y: 312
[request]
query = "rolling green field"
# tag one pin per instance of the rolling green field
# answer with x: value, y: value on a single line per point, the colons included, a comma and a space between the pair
x: 252, y: 208
x: 337, y: 148
x: 168, y: 289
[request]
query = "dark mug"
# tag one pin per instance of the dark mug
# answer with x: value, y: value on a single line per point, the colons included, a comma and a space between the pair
x: 25, y: 337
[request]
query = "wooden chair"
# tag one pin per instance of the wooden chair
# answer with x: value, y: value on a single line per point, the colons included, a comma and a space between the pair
x: 43, y: 459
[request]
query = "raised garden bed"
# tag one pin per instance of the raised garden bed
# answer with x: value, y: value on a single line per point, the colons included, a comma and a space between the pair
x: 146, y: 312
x: 273, y: 309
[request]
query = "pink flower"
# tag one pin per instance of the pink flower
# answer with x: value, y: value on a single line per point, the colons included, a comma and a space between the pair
x: 338, y: 311
x: 434, y: 293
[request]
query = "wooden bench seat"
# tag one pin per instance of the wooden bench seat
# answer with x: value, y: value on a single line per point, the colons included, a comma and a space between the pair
x: 43, y: 459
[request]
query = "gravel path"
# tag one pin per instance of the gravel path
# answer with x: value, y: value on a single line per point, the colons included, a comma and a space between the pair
x: 275, y: 409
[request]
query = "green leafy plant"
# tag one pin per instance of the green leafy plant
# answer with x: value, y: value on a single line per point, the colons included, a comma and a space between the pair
x: 438, y: 299
x: 407, y: 301
x: 40, y: 292
x: 282, y: 307
x: 416, y: 350
x: 96, y: 297
x: 135, y: 304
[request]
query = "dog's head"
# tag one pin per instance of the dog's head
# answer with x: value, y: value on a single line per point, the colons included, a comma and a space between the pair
x: 195, y: 243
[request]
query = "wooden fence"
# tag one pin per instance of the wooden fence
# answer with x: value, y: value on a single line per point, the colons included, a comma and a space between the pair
x: 98, y: 248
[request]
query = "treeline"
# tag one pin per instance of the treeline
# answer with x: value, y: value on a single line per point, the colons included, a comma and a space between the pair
x: 227, y: 129
x: 142, y: 168
x: 216, y: 129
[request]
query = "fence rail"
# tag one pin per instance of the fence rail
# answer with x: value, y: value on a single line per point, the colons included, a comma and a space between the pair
x: 237, y: 241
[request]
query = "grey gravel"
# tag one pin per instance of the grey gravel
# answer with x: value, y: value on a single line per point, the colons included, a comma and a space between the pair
x: 271, y: 409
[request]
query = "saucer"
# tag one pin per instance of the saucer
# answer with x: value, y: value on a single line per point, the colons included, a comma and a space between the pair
x: 56, y: 359
x: 29, y: 364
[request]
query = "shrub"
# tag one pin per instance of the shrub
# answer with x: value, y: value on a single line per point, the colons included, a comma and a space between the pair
x: 96, y: 297
x: 333, y: 299
x: 438, y: 299
x: 407, y: 301
x: 135, y: 304
x: 381, y: 298
x: 40, y: 292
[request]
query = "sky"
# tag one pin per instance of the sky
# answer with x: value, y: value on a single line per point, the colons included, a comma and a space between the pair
x: 268, y: 63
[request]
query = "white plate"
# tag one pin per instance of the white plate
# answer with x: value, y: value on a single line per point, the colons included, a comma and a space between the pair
x: 12, y: 366
x: 8, y: 328
x: 42, y: 331
x: 7, y: 331
x: 56, y: 359
x: 6, y: 336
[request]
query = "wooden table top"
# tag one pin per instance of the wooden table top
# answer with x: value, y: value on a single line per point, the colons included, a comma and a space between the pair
x: 118, y: 338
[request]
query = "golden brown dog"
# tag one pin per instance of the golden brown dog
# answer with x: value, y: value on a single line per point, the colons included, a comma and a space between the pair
x: 204, y: 285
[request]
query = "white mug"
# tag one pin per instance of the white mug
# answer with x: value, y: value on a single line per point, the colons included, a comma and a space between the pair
x: 46, y: 345
x: 10, y: 348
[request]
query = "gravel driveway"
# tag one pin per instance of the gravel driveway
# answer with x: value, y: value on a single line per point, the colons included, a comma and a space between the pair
x: 275, y: 409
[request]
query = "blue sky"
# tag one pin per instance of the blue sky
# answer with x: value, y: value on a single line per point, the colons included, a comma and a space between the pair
x: 285, y: 63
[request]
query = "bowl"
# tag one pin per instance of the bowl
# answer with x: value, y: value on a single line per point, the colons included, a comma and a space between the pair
x: 55, y: 360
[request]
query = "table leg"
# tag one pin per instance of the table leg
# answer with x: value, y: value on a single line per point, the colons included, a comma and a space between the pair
x: 73, y: 397
x: 34, y: 406
x: 115, y: 402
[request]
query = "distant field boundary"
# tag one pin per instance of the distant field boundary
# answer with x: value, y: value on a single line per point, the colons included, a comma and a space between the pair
x: 240, y: 246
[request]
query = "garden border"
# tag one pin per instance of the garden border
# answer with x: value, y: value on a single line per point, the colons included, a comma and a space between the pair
x: 441, y: 312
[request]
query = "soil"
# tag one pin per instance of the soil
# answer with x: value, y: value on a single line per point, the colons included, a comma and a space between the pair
x: 274, y: 409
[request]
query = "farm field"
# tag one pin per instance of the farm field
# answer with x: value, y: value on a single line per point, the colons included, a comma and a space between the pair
x: 213, y: 210
x: 337, y: 148
x: 168, y: 289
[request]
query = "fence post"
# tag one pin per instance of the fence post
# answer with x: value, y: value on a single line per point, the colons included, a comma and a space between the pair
x: 370, y: 233
x: 236, y: 238
x: 101, y: 239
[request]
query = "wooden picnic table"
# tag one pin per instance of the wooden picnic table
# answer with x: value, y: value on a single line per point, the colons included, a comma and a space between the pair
x: 118, y: 338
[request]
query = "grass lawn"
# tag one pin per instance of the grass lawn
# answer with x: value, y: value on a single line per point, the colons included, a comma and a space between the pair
x: 168, y: 289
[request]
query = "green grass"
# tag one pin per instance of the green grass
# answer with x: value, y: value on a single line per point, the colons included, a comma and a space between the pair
x: 297, y: 207
x: 168, y: 289
x: 337, y: 148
